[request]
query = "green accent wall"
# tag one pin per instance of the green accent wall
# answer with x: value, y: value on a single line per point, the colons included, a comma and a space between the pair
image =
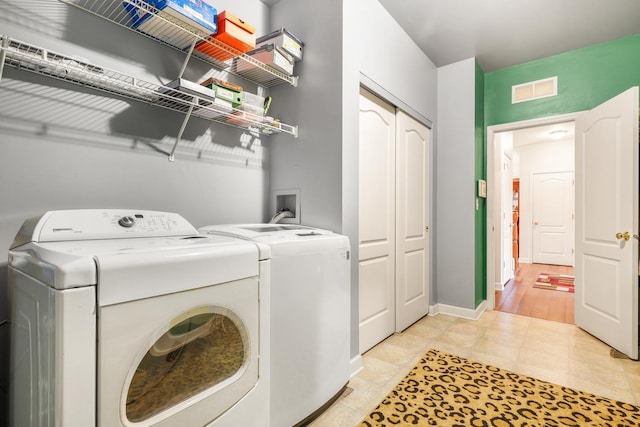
x: 586, y: 78
x: 480, y: 173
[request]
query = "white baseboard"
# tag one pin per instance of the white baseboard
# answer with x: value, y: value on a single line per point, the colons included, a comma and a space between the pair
x: 356, y: 365
x: 464, y: 313
x: 499, y: 286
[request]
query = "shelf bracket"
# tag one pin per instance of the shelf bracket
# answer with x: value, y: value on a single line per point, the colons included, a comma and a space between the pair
x: 184, y: 125
x: 3, y: 54
x: 187, y: 57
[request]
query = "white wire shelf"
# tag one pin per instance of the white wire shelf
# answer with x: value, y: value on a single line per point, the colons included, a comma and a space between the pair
x: 176, y: 34
x: 38, y: 60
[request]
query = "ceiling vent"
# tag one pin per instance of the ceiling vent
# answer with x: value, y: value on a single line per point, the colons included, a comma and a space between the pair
x: 534, y: 90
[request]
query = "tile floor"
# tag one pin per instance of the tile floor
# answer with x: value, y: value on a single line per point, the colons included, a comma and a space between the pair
x: 557, y: 352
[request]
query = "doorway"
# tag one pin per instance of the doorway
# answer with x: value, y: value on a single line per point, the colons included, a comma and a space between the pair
x: 606, y: 218
x: 541, y: 164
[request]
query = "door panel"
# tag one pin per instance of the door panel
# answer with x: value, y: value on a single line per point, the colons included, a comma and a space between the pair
x: 377, y: 220
x: 603, y: 299
x: 412, y: 215
x: 374, y: 275
x: 553, y: 218
x: 606, y: 303
x: 414, y: 267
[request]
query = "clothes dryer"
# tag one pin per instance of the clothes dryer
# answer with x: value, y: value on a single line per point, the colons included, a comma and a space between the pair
x: 310, y: 315
x: 133, y: 318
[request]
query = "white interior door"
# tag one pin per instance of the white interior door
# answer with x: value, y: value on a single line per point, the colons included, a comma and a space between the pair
x: 506, y: 220
x: 606, y: 298
x: 553, y: 218
x: 377, y: 220
x: 412, y: 220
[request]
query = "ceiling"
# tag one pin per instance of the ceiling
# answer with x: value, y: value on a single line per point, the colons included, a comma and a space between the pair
x: 502, y: 33
x: 532, y: 135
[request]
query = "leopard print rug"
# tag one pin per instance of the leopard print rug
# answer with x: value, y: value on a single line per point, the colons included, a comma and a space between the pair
x: 446, y: 390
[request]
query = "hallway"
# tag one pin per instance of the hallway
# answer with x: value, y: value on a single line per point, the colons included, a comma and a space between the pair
x: 520, y: 297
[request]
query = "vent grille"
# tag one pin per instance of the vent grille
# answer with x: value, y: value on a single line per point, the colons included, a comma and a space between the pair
x: 534, y: 90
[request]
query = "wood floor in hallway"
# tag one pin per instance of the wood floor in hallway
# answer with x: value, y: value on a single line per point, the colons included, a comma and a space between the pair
x: 520, y: 297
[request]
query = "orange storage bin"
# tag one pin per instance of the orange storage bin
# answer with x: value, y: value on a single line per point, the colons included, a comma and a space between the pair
x: 232, y: 31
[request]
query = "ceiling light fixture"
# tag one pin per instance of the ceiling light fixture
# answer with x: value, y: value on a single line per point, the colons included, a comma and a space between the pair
x: 557, y: 134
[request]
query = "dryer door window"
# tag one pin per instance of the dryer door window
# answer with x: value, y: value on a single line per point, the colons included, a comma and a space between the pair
x: 203, y: 349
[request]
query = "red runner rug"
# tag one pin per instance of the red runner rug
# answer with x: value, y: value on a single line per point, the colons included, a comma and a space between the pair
x: 555, y: 282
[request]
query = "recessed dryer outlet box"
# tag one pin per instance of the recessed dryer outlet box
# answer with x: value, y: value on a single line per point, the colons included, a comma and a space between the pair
x: 290, y: 200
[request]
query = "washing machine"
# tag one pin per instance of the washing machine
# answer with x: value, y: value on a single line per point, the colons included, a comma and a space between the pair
x: 310, y: 315
x: 133, y: 318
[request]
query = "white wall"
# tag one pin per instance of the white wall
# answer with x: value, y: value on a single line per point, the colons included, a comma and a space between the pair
x: 456, y: 185
x: 542, y: 157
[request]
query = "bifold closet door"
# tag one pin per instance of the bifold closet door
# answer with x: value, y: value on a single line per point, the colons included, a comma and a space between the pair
x: 377, y: 220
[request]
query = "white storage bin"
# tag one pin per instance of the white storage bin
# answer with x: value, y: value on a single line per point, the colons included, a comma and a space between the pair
x: 285, y: 40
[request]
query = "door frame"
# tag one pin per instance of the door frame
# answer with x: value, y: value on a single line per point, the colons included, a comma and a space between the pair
x: 506, y: 218
x: 494, y: 232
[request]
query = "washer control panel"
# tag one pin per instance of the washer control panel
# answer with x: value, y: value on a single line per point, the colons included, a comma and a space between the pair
x: 86, y: 224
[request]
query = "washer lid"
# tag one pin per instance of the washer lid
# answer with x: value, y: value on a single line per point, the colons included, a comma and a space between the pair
x: 96, y: 224
x: 67, y: 249
x: 284, y: 239
x: 267, y: 232
x: 117, y: 263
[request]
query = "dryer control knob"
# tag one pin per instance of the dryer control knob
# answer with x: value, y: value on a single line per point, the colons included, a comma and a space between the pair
x: 126, y: 221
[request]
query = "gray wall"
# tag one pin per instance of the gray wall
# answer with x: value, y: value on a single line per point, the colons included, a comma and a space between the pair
x: 387, y: 56
x: 456, y: 185
x: 323, y: 161
x: 312, y: 162
x: 67, y: 147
